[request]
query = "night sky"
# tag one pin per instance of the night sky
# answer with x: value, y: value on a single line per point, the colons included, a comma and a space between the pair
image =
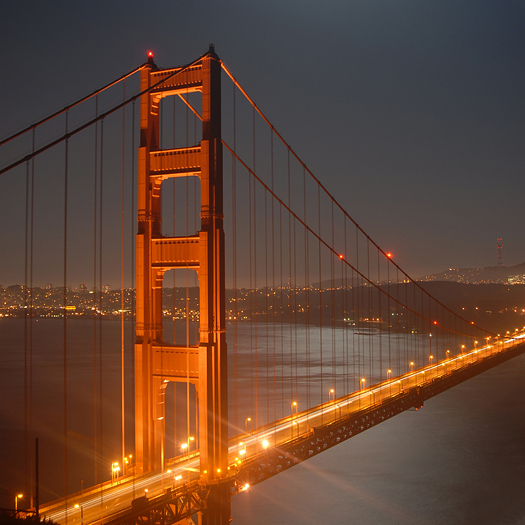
x: 411, y: 112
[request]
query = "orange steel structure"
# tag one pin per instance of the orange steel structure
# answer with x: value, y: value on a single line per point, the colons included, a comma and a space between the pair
x: 156, y: 363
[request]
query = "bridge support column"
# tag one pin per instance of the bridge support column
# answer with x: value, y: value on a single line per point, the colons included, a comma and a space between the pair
x: 155, y: 361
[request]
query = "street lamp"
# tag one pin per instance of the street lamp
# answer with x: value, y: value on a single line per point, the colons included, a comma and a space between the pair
x: 246, y: 424
x: 17, y: 497
x: 389, y: 374
x: 363, y: 382
x: 184, y: 447
x: 331, y: 395
x: 411, y: 366
x: 81, y: 513
x: 115, y: 469
x: 430, y: 357
x: 293, y: 406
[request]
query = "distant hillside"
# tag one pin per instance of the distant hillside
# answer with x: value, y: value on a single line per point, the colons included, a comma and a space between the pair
x: 490, y: 274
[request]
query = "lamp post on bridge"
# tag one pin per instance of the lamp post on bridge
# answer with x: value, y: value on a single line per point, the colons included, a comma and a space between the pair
x: 331, y: 397
x: 17, y: 497
x: 293, y: 406
x: 81, y: 512
x: 186, y: 447
x: 115, y: 469
x: 246, y: 424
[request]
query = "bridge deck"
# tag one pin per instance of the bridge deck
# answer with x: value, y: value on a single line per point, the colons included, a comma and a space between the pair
x: 288, y: 441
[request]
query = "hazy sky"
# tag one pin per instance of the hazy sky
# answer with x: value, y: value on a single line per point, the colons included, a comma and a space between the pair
x: 411, y: 112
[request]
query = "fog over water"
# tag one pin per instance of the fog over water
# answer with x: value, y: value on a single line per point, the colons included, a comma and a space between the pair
x: 461, y: 459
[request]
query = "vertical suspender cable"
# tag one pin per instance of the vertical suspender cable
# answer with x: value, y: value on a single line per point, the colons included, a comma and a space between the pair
x: 294, y: 303
x: 267, y: 393
x: 320, y: 294
x: 132, y: 251
x: 398, y: 326
x: 28, y: 324
x: 332, y: 296
x: 100, y: 355
x: 290, y: 309
x: 273, y: 285
x: 345, y: 313
x: 234, y: 269
x: 306, y: 297
x: 251, y: 291
x: 64, y: 342
x: 27, y: 442
x: 31, y: 246
x: 357, y: 310
x: 389, y: 315
x: 122, y: 407
x: 255, y: 281
x: 195, y: 211
x: 281, y: 302
x: 188, y: 415
x: 174, y: 230
x: 379, y: 313
x: 95, y: 249
x: 369, y: 300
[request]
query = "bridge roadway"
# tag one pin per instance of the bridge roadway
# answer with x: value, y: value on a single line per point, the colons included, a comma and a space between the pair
x: 98, y: 504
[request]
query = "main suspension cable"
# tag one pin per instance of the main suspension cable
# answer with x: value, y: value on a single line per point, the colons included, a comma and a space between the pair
x: 70, y: 106
x: 318, y: 182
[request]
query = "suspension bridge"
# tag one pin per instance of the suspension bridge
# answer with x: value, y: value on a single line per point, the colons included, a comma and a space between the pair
x: 237, y: 320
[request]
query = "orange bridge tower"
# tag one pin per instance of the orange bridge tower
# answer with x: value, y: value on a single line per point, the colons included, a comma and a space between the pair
x: 156, y: 362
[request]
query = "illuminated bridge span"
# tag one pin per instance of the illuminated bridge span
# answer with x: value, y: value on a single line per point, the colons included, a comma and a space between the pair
x: 266, y: 326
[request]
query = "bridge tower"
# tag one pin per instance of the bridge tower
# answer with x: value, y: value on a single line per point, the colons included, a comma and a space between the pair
x: 156, y: 362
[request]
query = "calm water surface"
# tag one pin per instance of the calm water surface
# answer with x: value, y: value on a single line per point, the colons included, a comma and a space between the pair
x: 459, y: 460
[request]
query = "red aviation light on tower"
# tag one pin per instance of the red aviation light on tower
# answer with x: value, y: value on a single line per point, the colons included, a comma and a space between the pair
x: 150, y: 57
